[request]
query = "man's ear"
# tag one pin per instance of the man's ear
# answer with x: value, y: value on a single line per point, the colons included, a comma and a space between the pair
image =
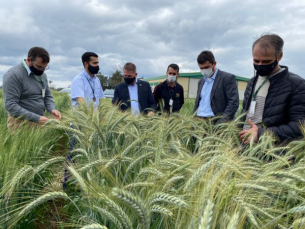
x: 280, y: 56
x: 214, y: 66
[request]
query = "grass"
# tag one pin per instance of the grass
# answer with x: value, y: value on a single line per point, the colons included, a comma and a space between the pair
x: 147, y: 172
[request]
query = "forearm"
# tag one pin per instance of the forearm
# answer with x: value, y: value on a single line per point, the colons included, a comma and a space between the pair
x: 49, y: 101
x: 49, y: 104
x: 288, y: 131
x: 15, y: 110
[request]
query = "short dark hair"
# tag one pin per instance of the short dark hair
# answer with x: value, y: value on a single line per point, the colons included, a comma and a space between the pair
x: 206, y: 56
x: 268, y: 40
x: 173, y: 66
x: 39, y: 52
x: 87, y: 55
x: 130, y: 67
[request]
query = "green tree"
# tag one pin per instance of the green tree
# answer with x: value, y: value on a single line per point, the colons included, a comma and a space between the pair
x: 104, y: 81
x: 116, y: 78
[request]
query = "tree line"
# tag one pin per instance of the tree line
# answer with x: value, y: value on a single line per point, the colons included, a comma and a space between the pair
x: 107, y: 82
x: 110, y: 82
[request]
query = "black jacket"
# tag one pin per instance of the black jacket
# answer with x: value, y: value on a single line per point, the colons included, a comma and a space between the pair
x: 162, y: 92
x: 284, y: 106
x: 224, y: 96
x: 145, y: 98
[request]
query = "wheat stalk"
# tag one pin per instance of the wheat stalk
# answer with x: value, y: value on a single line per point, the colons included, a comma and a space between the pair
x: 48, y: 163
x: 166, y: 198
x: 233, y: 222
x: 139, y: 184
x: 161, y: 210
x: 92, y: 164
x: 287, y: 175
x: 198, y: 173
x: 79, y: 179
x: 42, y: 199
x: 110, y: 216
x: 134, y: 203
x: 123, y: 217
x: 206, y: 220
x: 94, y: 226
x: 9, y: 188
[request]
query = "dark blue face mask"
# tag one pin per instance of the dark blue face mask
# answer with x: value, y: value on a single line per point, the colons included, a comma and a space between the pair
x: 36, y: 71
x: 129, y: 80
x: 93, y: 70
x: 266, y: 69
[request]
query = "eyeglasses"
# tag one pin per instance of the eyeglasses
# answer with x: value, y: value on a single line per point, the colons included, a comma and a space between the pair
x: 40, y: 68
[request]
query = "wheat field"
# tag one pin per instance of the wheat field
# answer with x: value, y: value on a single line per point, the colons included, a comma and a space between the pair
x: 143, y: 172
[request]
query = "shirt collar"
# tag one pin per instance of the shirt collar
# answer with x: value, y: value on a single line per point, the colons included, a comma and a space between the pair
x: 169, y: 85
x: 84, y: 73
x: 26, y: 67
x: 277, y: 72
x: 129, y: 85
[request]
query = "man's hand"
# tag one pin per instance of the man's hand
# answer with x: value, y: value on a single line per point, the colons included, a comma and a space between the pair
x: 42, y: 120
x: 150, y: 113
x: 246, y: 135
x: 55, y: 114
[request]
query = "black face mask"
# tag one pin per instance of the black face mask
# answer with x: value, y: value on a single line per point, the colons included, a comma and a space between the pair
x: 266, y: 69
x: 36, y: 71
x: 93, y: 70
x: 129, y: 80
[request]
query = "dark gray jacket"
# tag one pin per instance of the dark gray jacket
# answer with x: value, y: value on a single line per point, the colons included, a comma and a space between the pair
x: 224, y: 96
x: 284, y: 106
x: 145, y: 97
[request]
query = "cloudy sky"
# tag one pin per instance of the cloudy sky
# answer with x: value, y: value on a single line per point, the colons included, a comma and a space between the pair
x: 150, y: 33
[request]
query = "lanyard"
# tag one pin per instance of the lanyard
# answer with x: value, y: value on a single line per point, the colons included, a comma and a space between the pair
x: 172, y: 90
x: 91, y: 88
x: 263, y: 83
x: 35, y: 77
x: 258, y: 89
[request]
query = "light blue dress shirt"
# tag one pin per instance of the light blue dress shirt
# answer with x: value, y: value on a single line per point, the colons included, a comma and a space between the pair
x: 80, y: 87
x: 204, y: 109
x: 133, y: 94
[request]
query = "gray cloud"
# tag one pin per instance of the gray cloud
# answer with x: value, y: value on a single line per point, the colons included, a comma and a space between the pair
x: 152, y: 34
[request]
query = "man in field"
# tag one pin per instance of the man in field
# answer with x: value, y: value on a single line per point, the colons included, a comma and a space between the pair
x: 169, y: 95
x: 86, y: 87
x: 217, y: 93
x: 274, y: 99
x: 26, y: 91
x: 133, y: 93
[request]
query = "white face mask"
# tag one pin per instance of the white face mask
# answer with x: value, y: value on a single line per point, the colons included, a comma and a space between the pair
x: 171, y: 78
x: 207, y: 72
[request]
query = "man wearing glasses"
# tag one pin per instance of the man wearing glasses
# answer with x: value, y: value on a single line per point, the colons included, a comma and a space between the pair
x: 86, y: 87
x: 133, y: 93
x: 26, y: 91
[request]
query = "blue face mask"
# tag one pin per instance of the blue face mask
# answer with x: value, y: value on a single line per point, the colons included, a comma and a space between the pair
x: 266, y: 69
